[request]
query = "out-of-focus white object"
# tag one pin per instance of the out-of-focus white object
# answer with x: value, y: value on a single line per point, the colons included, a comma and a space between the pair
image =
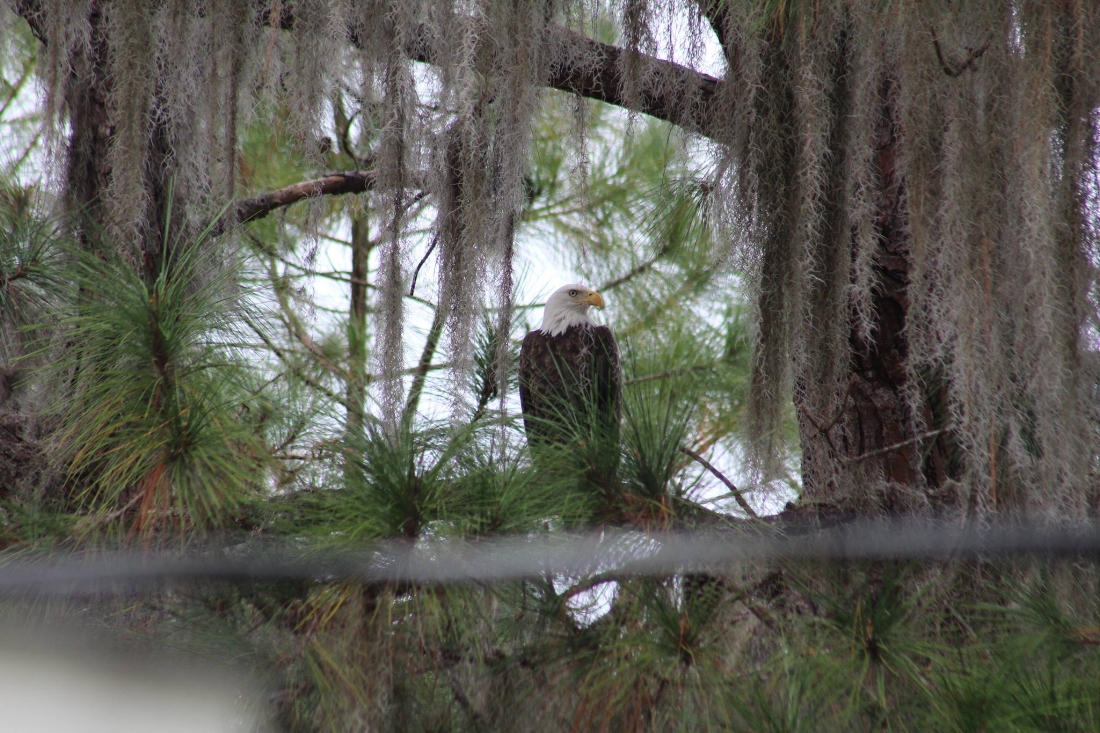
x: 46, y: 689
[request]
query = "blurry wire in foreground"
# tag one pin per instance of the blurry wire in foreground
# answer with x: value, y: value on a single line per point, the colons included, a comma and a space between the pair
x: 628, y: 553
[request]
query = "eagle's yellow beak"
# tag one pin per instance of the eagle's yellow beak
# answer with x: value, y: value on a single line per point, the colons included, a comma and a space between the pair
x: 595, y: 299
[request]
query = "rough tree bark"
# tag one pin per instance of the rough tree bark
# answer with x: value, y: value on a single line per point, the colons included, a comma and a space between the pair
x: 887, y: 431
x: 93, y: 122
x: 88, y: 171
x: 876, y: 427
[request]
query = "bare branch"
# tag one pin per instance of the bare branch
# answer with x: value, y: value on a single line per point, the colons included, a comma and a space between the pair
x: 420, y: 372
x: 581, y: 65
x: 970, y: 62
x: 721, y: 477
x: 335, y: 184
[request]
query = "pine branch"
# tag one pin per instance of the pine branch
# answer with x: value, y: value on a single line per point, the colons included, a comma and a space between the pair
x: 897, y: 446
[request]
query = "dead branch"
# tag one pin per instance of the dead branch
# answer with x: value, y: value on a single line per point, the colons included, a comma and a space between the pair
x: 718, y: 474
x: 416, y: 272
x: 335, y: 184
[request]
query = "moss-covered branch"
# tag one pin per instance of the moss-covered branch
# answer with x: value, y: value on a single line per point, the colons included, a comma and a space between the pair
x: 590, y: 68
x: 334, y: 184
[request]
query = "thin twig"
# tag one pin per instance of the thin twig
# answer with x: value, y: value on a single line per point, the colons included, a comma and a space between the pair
x: 635, y: 271
x: 294, y: 368
x: 270, y: 252
x: 896, y: 446
x: 420, y: 372
x: 416, y: 272
x: 296, y: 330
x: 823, y: 430
x: 345, y: 133
x: 954, y: 70
x: 729, y: 484
x: 817, y: 426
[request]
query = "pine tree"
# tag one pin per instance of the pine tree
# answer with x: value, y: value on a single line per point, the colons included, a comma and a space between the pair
x: 903, y: 195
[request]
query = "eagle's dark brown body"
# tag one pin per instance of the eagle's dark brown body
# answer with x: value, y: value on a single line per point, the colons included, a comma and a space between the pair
x: 570, y: 386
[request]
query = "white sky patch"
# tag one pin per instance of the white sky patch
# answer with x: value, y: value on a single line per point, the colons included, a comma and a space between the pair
x: 22, y: 127
x: 672, y: 24
x: 594, y: 599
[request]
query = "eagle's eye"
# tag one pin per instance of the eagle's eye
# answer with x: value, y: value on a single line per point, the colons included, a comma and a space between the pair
x: 572, y: 293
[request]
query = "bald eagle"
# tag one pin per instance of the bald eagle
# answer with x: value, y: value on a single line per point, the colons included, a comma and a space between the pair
x: 570, y: 380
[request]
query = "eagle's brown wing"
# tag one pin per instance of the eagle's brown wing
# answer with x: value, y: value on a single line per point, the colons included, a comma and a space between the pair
x: 570, y: 382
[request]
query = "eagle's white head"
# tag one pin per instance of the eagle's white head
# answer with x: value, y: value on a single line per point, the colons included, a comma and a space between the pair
x: 568, y: 306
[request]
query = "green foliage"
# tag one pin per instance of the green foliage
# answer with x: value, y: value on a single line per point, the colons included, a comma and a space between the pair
x: 178, y: 410
x: 30, y: 276
x: 657, y: 418
x: 439, y: 481
x: 161, y: 427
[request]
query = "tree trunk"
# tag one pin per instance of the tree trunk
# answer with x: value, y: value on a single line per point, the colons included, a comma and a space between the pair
x: 93, y: 126
x: 357, y: 337
x: 889, y: 434
x: 88, y: 171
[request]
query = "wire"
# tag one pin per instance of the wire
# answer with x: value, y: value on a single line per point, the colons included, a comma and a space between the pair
x: 623, y: 552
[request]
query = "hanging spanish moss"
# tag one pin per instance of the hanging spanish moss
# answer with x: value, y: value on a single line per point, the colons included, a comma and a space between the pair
x: 396, y: 154
x: 913, y: 178
x: 910, y: 187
